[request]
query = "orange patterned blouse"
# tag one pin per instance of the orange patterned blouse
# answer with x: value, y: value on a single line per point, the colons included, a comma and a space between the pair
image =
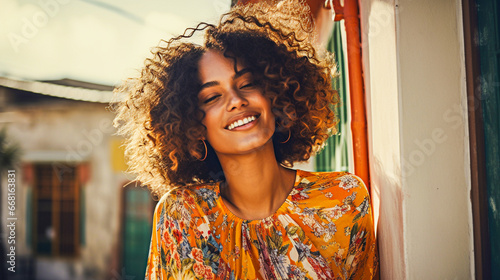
x: 324, y: 230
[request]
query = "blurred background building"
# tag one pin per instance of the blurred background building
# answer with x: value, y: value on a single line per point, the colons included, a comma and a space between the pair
x: 75, y: 217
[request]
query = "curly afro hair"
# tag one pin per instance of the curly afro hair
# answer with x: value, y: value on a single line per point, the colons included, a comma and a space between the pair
x: 158, y: 112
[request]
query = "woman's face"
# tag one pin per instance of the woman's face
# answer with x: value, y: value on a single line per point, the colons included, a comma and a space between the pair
x: 238, y: 116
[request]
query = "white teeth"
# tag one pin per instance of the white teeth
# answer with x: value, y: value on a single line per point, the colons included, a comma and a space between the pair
x: 241, y: 122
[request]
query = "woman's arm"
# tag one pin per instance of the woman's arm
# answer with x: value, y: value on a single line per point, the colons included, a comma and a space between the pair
x: 361, y: 260
x: 181, y: 247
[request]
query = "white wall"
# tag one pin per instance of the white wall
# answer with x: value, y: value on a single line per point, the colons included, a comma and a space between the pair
x: 415, y: 84
x: 381, y: 84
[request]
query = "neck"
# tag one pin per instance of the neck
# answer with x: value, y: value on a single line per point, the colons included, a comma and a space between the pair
x: 256, y: 184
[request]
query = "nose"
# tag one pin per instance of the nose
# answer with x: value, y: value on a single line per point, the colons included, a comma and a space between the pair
x: 235, y: 100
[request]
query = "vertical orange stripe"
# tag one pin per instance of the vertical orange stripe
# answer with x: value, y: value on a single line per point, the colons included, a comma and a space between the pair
x: 358, y: 110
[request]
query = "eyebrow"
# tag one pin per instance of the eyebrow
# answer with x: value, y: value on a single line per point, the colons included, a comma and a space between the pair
x: 241, y: 73
x: 235, y: 76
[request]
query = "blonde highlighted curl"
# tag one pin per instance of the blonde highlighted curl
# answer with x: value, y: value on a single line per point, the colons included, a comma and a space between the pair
x: 158, y: 112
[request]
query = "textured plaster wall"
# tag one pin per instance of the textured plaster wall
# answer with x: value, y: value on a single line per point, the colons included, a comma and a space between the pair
x: 438, y: 223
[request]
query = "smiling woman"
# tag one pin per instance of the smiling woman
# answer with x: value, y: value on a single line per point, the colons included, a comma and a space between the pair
x: 214, y: 129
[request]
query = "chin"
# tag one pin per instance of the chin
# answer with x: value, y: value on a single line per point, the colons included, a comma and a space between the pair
x: 254, y: 147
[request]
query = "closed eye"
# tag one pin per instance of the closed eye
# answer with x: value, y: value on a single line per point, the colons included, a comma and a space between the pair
x: 212, y: 98
x: 248, y: 85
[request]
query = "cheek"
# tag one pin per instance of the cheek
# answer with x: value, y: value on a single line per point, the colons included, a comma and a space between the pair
x: 210, y: 121
x: 269, y: 109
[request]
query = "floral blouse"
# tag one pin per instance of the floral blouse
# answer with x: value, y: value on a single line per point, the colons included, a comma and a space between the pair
x: 324, y: 230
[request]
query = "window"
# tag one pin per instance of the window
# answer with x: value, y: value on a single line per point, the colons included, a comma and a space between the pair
x: 56, y: 210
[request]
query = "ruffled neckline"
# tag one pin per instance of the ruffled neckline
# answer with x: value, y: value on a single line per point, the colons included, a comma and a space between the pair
x: 231, y: 217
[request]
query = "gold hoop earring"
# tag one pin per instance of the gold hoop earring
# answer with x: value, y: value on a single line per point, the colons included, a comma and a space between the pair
x: 289, y: 134
x: 206, y: 151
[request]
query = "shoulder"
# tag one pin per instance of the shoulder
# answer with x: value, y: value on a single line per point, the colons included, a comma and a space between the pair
x: 186, y: 194
x: 187, y: 211
x: 331, y: 190
x: 188, y: 201
x: 341, y: 181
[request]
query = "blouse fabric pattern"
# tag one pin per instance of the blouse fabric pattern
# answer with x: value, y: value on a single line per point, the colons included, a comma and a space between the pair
x: 324, y: 230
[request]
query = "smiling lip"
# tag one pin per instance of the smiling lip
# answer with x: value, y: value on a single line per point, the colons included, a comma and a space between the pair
x: 242, y: 121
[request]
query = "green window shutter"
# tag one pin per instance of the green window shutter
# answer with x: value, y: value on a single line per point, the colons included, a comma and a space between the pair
x: 335, y: 155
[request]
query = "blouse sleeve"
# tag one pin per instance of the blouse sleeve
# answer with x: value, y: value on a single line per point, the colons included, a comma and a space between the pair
x: 181, y: 247
x: 361, y: 259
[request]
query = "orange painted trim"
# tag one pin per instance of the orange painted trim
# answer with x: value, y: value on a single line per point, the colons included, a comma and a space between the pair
x: 358, y: 107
